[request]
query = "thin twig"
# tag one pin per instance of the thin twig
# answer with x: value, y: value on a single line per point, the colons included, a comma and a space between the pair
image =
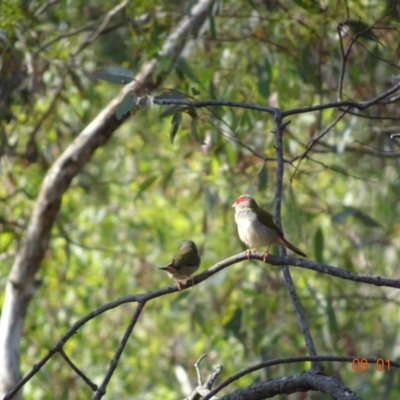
x: 202, y: 390
x: 49, y: 111
x: 93, y: 36
x: 213, y: 377
x: 196, y: 366
x: 346, y: 54
x: 101, y: 391
x: 91, y: 384
x: 279, y: 126
x: 315, y: 140
x: 45, y: 6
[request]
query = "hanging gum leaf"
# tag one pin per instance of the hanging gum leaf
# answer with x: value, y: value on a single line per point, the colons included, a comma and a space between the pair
x: 171, y: 95
x: 114, y: 75
x: 183, y: 67
x: 195, y: 134
x: 126, y: 105
x: 173, y: 110
x: 176, y: 122
x: 263, y: 177
x: 319, y: 245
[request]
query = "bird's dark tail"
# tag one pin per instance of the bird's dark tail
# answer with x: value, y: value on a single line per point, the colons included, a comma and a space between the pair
x: 292, y: 247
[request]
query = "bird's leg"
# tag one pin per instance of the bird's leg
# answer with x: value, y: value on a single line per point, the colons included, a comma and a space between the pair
x: 191, y: 278
x: 248, y: 252
x: 265, y: 254
x: 179, y: 284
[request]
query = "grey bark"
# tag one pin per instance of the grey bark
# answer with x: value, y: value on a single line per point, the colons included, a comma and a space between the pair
x: 304, y: 382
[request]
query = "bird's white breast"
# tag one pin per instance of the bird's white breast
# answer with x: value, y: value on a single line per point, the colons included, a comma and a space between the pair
x: 251, y: 231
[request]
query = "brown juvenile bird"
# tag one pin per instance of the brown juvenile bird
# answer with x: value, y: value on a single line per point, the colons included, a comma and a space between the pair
x: 256, y: 227
x: 184, y: 263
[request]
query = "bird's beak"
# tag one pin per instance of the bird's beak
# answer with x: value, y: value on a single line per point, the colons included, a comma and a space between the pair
x: 234, y: 204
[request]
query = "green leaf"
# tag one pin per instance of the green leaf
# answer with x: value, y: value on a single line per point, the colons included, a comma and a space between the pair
x: 330, y: 311
x: 264, y: 77
x: 367, y: 220
x: 356, y: 213
x: 173, y: 110
x: 126, y: 105
x: 114, y: 74
x: 198, y: 318
x: 192, y: 112
x: 341, y: 217
x: 195, y: 92
x: 211, y: 89
x: 194, y: 132
x: 362, y: 29
x: 211, y: 19
x: 184, y: 68
x: 235, y: 322
x: 176, y: 122
x: 171, y: 95
x: 263, y: 177
x: 306, y: 67
x: 167, y: 178
x: 231, y: 154
x: 313, y: 6
x: 319, y: 245
x: 145, y: 185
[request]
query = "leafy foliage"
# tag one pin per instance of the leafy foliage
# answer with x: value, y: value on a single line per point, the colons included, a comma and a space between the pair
x: 124, y: 216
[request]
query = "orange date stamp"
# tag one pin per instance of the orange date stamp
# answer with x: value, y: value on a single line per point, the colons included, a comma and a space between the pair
x: 362, y: 364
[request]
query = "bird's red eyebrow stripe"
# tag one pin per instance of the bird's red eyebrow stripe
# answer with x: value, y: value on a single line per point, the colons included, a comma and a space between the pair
x: 241, y: 199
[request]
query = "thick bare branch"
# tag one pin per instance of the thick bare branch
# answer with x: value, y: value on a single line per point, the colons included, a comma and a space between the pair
x: 304, y: 382
x: 280, y: 361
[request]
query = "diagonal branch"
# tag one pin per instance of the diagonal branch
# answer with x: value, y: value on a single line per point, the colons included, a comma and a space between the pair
x: 101, y: 391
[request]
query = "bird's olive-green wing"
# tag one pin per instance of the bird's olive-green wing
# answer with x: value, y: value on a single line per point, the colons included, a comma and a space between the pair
x: 266, y: 218
x: 190, y: 259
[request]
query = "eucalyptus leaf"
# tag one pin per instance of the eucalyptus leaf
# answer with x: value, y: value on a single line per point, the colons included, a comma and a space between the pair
x: 171, y: 95
x: 126, y: 105
x: 264, y: 77
x: 319, y: 245
x: 176, y: 122
x: 114, y: 74
x: 145, y: 185
x: 364, y: 218
x: 235, y: 322
x: 183, y: 66
x: 263, y: 177
x: 194, y: 132
x: 173, y: 110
